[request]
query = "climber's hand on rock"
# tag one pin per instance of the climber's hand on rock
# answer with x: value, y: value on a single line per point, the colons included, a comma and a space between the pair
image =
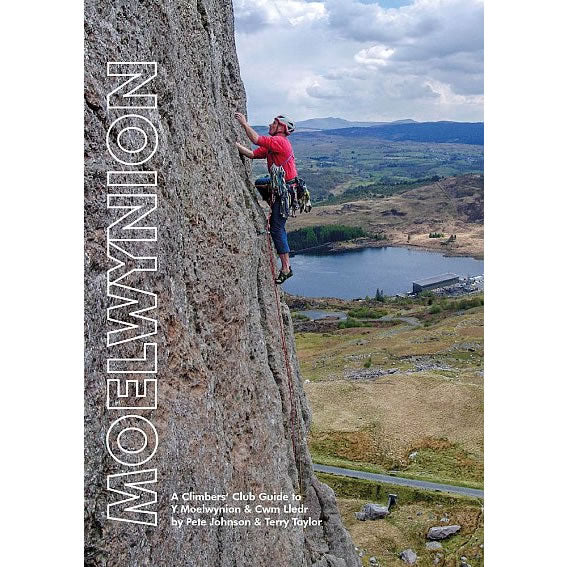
x: 241, y: 118
x: 244, y: 151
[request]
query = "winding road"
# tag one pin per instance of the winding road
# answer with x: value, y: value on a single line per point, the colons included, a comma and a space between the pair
x: 422, y: 484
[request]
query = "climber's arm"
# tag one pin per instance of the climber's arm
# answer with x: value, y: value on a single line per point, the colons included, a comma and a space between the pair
x: 250, y: 132
x: 245, y: 151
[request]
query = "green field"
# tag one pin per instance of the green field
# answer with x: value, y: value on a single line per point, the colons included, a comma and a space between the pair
x: 333, y: 164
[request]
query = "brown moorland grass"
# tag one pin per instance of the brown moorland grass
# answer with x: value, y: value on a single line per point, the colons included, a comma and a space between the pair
x: 450, y: 206
x: 410, y: 518
x: 430, y: 406
x: 406, y: 528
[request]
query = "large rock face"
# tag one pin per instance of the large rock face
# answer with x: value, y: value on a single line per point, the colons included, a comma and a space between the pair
x: 225, y: 412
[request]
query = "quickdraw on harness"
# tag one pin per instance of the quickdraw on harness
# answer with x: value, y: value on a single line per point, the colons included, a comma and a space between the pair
x: 303, y: 197
x: 280, y: 189
x: 293, y: 194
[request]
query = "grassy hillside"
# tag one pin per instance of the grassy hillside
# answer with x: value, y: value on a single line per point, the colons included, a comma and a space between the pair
x: 405, y: 396
x: 450, y: 206
x: 414, y: 513
x: 406, y: 528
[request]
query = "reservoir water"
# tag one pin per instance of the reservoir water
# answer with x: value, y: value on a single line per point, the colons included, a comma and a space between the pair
x: 357, y: 273
x: 316, y: 314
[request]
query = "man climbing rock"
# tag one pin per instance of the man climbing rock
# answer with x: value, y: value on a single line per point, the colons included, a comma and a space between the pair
x: 281, y: 161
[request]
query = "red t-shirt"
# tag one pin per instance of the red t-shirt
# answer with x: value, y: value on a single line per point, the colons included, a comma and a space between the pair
x: 277, y: 149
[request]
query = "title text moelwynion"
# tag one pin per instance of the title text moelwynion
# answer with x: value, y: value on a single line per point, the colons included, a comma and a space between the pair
x: 131, y: 341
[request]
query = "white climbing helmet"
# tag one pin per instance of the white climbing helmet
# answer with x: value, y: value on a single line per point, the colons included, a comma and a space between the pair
x: 288, y: 123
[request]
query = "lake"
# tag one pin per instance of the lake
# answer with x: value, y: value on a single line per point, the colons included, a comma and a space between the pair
x: 357, y: 273
x: 316, y: 314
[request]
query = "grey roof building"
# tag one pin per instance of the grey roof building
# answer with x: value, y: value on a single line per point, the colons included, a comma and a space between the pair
x: 435, y: 282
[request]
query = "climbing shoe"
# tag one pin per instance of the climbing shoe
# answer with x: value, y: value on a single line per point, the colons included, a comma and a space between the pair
x: 283, y: 276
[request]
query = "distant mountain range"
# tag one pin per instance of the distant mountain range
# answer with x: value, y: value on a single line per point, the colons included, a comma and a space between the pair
x: 397, y: 131
x: 438, y: 132
x: 336, y: 123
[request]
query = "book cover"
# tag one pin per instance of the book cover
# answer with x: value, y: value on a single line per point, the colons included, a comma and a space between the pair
x: 201, y: 420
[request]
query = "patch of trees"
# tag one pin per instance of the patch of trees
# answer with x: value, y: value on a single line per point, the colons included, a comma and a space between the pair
x: 366, y: 313
x: 312, y: 236
x: 459, y: 305
x: 320, y: 158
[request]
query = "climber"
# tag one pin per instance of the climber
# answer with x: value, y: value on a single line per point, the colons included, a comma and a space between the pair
x: 279, y: 153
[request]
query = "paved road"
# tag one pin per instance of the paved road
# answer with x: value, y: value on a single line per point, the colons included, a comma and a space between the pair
x: 475, y: 493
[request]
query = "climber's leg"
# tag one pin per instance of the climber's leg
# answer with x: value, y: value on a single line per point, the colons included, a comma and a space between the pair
x: 279, y: 235
x: 285, y: 262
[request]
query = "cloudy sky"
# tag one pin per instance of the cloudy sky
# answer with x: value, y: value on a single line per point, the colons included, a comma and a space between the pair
x: 362, y: 59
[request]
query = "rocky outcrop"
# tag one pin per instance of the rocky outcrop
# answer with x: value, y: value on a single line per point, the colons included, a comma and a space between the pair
x: 371, y: 511
x: 225, y: 407
x: 442, y: 532
x: 408, y: 556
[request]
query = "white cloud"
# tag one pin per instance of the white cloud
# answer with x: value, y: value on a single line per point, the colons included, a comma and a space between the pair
x: 321, y: 90
x: 449, y: 98
x: 252, y: 16
x: 371, y: 22
x: 361, y: 61
x: 375, y: 55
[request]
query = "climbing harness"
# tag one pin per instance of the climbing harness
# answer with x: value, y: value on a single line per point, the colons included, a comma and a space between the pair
x: 279, y: 189
x: 293, y: 407
x: 301, y: 194
x: 293, y: 194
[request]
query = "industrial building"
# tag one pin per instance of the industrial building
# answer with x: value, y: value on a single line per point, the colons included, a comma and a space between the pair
x: 434, y: 282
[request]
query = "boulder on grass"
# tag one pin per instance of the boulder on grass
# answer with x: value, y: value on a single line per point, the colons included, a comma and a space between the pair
x: 442, y: 532
x: 408, y: 556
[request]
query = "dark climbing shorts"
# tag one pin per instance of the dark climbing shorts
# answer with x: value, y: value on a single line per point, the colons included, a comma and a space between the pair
x: 277, y: 229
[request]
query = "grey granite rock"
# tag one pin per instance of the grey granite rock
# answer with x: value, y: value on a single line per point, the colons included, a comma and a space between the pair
x: 224, y: 412
x: 374, y: 511
x: 442, y: 532
x: 433, y: 545
x: 371, y: 511
x: 409, y: 556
